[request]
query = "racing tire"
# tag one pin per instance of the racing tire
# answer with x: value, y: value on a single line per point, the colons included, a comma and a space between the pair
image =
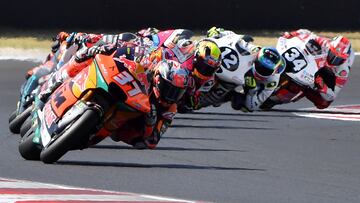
x: 28, y: 149
x: 72, y: 136
x: 25, y: 126
x: 15, y: 124
x: 12, y: 116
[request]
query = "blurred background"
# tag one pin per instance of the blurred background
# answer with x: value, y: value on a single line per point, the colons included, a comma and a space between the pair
x: 192, y: 14
x: 263, y: 18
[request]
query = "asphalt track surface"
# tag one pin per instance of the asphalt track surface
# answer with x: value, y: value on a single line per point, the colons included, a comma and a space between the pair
x: 215, y: 155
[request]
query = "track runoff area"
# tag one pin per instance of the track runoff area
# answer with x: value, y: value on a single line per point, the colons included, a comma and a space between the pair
x: 19, y: 191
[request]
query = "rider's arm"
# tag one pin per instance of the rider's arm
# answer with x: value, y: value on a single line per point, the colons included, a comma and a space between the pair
x: 341, y: 77
x: 259, y: 91
x: 341, y: 74
x: 160, y: 126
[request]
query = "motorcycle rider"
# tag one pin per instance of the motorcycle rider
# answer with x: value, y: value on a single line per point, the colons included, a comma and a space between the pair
x: 201, y: 58
x: 35, y: 74
x: 165, y: 83
x: 260, y: 78
x: 168, y: 83
x: 81, y: 49
x: 260, y: 81
x: 334, y: 58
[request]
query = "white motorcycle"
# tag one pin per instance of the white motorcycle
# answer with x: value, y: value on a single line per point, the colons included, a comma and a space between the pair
x: 236, y: 61
x: 300, y: 73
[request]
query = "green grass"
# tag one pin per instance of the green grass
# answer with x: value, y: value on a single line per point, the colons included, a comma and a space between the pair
x: 25, y: 42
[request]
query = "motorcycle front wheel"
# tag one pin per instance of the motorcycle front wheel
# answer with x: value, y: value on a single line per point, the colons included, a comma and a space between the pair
x: 12, y: 116
x: 71, y: 137
x: 27, y: 148
x: 15, y: 124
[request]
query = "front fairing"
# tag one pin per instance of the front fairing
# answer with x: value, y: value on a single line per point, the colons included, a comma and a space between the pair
x: 301, y: 65
x: 236, y: 59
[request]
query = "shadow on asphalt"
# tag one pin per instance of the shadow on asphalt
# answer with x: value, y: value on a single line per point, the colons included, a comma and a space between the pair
x: 313, y: 111
x: 220, y: 119
x: 246, y: 114
x: 218, y: 127
x: 168, y: 166
x: 191, y: 138
x: 167, y: 148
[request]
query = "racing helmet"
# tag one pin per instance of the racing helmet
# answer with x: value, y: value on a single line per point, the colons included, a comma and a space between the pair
x: 339, y: 51
x: 170, y: 81
x: 207, y: 59
x: 268, y: 62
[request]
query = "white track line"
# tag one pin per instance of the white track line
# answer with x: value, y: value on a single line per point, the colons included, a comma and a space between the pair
x: 351, y: 108
x: 12, y: 190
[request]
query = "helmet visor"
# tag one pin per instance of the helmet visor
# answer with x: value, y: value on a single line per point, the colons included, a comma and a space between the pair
x: 334, y: 60
x: 168, y: 92
x: 262, y: 70
x: 205, y: 69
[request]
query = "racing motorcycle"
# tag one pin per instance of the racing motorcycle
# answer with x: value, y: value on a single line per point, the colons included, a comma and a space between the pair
x: 19, y: 121
x: 102, y: 97
x: 300, y: 73
x: 236, y: 61
x: 36, y: 77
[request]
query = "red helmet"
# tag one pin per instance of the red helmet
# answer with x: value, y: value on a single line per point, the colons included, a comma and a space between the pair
x: 170, y: 81
x: 339, y: 51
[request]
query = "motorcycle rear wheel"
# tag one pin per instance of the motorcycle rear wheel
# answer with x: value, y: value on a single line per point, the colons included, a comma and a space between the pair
x: 27, y: 148
x: 15, y: 124
x: 72, y: 136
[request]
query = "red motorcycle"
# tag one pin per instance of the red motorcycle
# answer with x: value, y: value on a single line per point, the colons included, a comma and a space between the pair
x: 108, y: 94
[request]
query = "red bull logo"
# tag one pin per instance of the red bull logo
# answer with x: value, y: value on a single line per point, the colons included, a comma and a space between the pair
x: 129, y: 64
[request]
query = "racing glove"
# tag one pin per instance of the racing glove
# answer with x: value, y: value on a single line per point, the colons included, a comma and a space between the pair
x: 326, y: 93
x: 214, y: 31
x: 250, y: 82
x: 319, y: 83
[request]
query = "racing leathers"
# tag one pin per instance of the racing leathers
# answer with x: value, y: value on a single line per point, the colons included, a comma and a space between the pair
x: 330, y: 79
x: 146, y: 132
x: 180, y: 48
x: 236, y: 81
x: 143, y: 132
x: 81, y: 48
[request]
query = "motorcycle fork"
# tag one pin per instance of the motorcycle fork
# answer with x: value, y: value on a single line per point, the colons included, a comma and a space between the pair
x: 88, y: 95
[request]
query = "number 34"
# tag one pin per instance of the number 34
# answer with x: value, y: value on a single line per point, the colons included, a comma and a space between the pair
x: 296, y: 58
